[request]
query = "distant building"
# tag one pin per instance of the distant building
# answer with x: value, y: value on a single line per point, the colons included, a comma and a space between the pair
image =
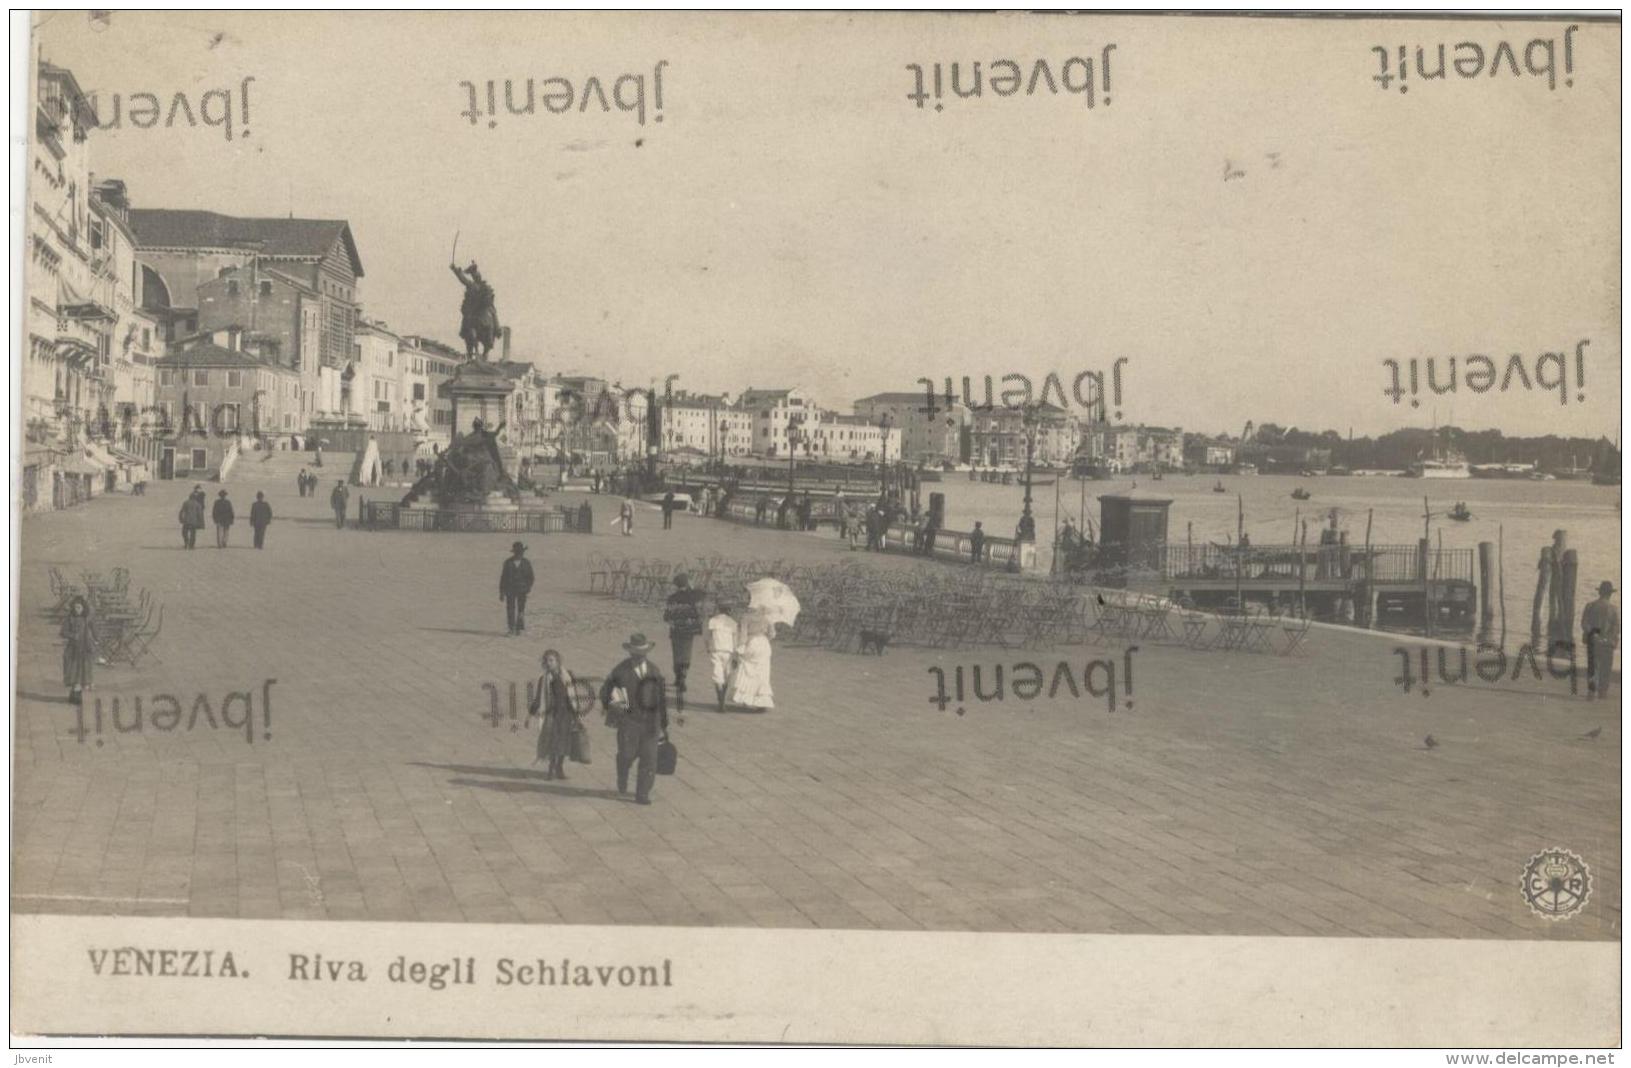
x: 70, y: 318
x: 437, y: 361
x: 211, y: 394
x: 998, y: 437
x: 1161, y: 447
x: 1203, y: 451
x: 702, y: 424
x: 832, y: 436
x: 376, y: 387
x: 926, y: 436
x: 289, y: 284
x: 773, y: 411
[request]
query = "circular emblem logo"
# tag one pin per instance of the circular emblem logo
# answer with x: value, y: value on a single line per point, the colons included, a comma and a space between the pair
x: 1556, y: 884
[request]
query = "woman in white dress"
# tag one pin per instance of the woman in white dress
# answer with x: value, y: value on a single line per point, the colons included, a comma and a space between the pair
x: 750, y: 684
x: 722, y: 635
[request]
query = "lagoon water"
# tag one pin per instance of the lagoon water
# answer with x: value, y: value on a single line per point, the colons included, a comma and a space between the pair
x: 1523, y: 513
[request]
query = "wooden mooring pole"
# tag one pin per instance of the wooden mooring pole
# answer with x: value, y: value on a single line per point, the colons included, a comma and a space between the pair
x: 1366, y: 608
x: 1543, y: 581
x: 1500, y: 571
x: 1486, y: 587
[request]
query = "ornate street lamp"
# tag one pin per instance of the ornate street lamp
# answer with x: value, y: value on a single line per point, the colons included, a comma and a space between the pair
x: 1030, y: 419
x: 885, y: 424
x: 793, y: 424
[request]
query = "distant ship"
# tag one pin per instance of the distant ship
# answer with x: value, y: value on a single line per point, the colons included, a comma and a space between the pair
x: 1446, y: 462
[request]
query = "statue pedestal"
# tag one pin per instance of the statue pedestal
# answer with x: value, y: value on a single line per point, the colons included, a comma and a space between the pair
x: 478, y: 391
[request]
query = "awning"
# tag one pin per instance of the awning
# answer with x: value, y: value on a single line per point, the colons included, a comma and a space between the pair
x: 79, y: 465
x: 96, y: 454
x: 125, y: 459
x: 36, y: 455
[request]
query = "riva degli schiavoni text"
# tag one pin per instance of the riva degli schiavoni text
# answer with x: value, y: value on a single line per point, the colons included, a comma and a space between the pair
x: 945, y: 83
x: 1535, y: 60
x: 638, y: 95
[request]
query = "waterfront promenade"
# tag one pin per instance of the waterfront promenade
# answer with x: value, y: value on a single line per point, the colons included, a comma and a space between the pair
x: 1241, y: 794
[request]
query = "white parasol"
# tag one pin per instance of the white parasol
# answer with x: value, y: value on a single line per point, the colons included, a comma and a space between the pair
x: 773, y: 600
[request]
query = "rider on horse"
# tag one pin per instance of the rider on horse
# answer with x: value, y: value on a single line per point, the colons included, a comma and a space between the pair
x: 479, y: 327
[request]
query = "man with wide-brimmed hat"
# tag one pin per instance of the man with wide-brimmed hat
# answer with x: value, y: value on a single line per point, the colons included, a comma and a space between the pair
x: 637, y: 704
x: 683, y: 615
x: 1600, y: 623
x: 514, y: 583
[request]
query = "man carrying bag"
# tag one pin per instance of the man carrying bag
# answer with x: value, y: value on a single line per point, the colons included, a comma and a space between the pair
x: 636, y: 702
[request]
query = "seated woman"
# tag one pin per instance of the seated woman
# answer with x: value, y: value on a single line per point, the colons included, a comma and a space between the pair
x: 750, y: 683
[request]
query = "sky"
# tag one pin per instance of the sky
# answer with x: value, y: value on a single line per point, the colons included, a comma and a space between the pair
x: 1251, y: 221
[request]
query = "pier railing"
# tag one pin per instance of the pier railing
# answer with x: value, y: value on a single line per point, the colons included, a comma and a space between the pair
x: 1387, y: 563
x: 558, y: 519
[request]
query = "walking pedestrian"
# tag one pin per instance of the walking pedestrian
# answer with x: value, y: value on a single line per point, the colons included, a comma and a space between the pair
x: 338, y: 498
x: 637, y: 706
x: 625, y: 516
x: 684, y: 619
x: 555, y: 701
x: 514, y: 583
x: 750, y: 682
x: 1600, y: 623
x: 78, y: 649
x: 722, y: 635
x: 300, y: 481
x: 668, y: 510
x: 260, y: 517
x: 222, y: 515
x: 976, y: 542
x: 191, y: 517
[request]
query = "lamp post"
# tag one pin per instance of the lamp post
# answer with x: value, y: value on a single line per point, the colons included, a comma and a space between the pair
x: 793, y: 424
x: 1030, y: 418
x: 885, y: 424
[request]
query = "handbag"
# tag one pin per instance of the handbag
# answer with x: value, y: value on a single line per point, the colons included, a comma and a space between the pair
x: 617, y: 709
x: 580, y: 744
x: 668, y: 757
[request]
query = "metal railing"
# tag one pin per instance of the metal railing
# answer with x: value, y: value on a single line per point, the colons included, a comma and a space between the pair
x: 560, y: 519
x: 1387, y: 563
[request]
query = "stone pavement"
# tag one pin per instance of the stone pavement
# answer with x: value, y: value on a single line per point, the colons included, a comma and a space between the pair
x: 1241, y: 794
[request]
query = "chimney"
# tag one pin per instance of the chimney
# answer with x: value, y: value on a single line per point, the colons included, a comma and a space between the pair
x: 506, y: 344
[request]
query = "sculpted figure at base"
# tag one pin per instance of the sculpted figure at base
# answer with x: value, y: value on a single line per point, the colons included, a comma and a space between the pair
x: 467, y: 471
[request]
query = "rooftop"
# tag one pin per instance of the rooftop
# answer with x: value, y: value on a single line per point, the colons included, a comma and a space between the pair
x: 213, y: 355
x: 296, y: 238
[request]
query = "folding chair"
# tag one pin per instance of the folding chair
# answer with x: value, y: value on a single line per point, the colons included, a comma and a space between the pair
x: 1194, y: 622
x: 599, y: 569
x: 1259, y: 629
x: 1296, y: 631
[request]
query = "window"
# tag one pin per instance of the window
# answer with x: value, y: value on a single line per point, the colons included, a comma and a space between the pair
x: 200, y: 460
x: 201, y: 378
x: 266, y: 289
x: 226, y: 418
x: 147, y: 337
x: 288, y: 421
x: 223, y: 272
x: 235, y: 379
x: 167, y: 378
x: 232, y: 288
x: 418, y: 391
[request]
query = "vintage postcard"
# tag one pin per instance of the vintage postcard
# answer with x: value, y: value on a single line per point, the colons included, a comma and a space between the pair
x: 818, y: 527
